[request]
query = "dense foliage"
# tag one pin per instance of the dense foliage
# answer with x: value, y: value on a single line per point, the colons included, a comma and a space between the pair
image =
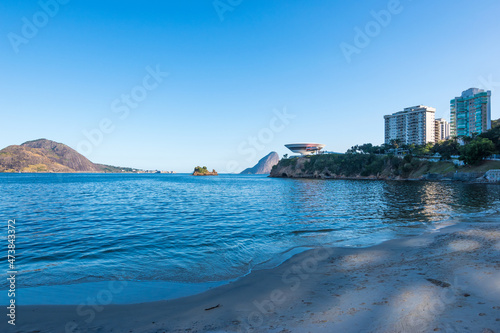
x: 364, y: 165
x: 495, y: 123
x: 476, y: 150
x: 447, y: 149
x: 199, y: 169
x: 286, y: 162
x: 494, y: 136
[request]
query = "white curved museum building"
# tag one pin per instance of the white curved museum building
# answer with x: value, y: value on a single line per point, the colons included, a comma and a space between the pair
x: 305, y: 148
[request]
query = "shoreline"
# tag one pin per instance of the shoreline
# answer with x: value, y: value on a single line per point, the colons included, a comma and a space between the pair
x: 133, y: 291
x: 396, y: 179
x: 447, y: 279
x: 77, y: 293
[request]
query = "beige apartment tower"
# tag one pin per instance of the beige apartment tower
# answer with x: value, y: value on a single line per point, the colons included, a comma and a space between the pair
x: 442, y: 130
x: 414, y: 125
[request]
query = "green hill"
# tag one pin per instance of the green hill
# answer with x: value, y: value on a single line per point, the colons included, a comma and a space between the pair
x: 48, y: 156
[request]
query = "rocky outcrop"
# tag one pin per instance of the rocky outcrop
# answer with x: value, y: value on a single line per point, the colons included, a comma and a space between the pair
x: 457, y: 176
x: 297, y: 167
x: 492, y: 176
x: 298, y: 171
x: 264, y: 166
x: 213, y: 173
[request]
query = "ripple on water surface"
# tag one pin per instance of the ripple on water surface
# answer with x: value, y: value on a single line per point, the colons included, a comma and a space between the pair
x: 88, y: 228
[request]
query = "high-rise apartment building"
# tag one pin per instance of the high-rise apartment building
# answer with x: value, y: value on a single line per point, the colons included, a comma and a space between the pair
x: 442, y: 130
x: 470, y: 113
x: 414, y: 125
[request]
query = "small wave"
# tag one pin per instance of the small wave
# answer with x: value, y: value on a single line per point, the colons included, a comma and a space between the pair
x: 309, y: 231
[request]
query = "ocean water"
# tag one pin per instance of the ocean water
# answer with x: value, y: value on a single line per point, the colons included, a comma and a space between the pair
x: 75, y: 229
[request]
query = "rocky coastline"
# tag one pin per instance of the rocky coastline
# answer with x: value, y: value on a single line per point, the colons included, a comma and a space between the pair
x: 299, y: 171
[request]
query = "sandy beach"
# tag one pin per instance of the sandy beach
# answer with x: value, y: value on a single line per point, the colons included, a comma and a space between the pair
x: 447, y: 280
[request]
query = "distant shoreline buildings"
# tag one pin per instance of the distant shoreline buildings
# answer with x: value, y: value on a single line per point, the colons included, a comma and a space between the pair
x: 469, y: 114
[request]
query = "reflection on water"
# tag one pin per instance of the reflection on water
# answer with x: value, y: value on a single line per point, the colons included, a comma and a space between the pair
x: 82, y: 228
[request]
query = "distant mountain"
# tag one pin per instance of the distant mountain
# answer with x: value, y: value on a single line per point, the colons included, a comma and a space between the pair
x: 48, y: 156
x: 264, y: 166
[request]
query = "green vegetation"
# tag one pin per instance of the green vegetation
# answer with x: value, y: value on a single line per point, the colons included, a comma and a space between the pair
x: 113, y: 169
x: 365, y: 165
x: 285, y: 162
x: 493, y: 135
x: 446, y: 149
x: 482, y: 166
x: 376, y: 166
x: 442, y: 167
x: 476, y: 151
x: 35, y: 168
x: 201, y: 170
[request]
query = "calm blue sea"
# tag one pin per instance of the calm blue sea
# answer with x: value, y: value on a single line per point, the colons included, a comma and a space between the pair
x: 90, y: 228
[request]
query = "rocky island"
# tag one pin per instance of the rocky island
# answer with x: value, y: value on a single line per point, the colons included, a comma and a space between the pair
x: 203, y: 171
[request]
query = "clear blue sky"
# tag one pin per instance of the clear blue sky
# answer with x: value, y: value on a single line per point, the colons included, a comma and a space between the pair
x: 226, y: 76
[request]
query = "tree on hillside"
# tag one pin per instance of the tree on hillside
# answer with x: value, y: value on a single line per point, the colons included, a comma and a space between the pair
x: 476, y: 151
x: 201, y: 169
x: 466, y: 139
x: 366, y: 148
x: 494, y: 135
x: 495, y: 123
x: 446, y: 149
x: 395, y: 143
x: 422, y: 150
x: 353, y: 150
